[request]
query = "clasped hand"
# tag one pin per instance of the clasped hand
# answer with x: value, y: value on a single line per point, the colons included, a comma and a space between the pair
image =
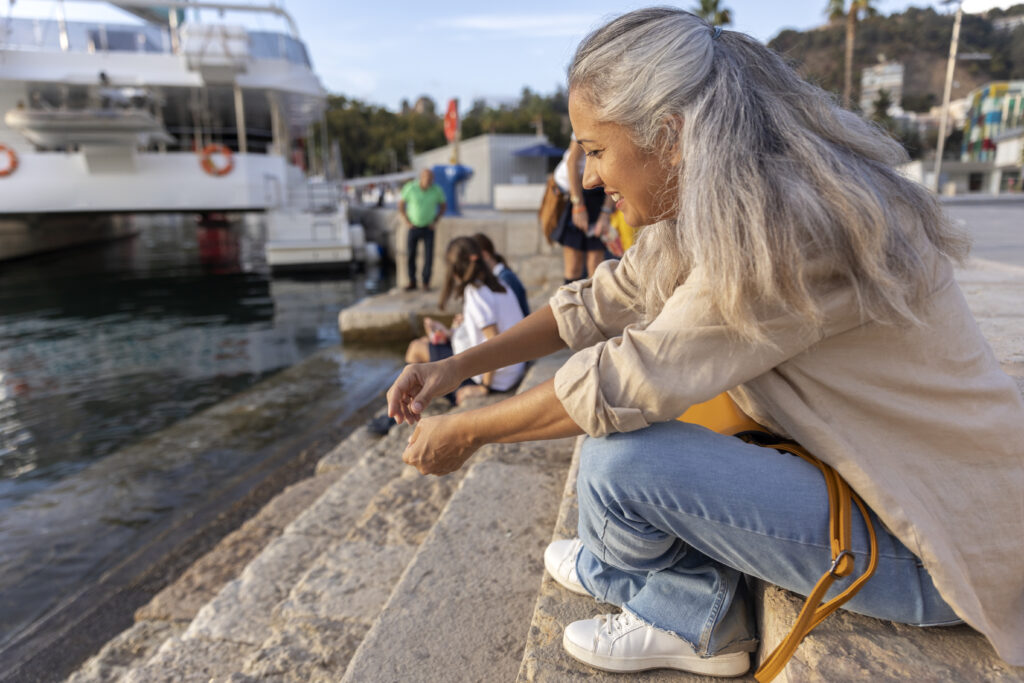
x: 437, y: 445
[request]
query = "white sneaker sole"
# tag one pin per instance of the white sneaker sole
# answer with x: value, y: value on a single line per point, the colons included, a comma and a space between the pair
x: 726, y: 666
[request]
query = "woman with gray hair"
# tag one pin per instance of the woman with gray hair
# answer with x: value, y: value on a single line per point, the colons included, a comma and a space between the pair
x: 787, y: 263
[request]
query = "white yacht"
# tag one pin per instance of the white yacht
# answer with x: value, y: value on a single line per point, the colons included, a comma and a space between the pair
x: 169, y: 114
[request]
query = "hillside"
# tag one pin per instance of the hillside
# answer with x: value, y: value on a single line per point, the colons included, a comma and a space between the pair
x: 920, y: 39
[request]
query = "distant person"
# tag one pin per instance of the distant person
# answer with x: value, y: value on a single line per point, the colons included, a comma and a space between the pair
x: 585, y: 220
x: 496, y: 262
x: 422, y: 204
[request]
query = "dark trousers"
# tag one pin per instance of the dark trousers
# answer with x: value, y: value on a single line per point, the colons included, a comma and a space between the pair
x: 440, y: 352
x: 417, y: 235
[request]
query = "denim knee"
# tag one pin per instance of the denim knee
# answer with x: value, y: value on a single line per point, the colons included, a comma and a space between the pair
x: 628, y: 460
x: 618, y: 458
x: 599, y: 462
x: 615, y: 476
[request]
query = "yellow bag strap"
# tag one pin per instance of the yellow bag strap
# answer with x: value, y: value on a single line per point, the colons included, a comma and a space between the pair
x: 841, y: 499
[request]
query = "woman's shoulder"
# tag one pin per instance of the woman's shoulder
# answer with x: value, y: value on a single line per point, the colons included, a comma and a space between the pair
x: 477, y: 293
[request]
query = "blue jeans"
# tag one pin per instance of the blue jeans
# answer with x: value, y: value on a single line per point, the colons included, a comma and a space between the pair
x: 415, y: 236
x: 673, y: 516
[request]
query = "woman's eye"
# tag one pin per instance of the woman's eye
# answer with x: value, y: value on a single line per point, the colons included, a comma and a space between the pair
x: 596, y: 154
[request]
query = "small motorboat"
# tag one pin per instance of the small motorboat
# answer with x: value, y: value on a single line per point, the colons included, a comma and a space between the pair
x: 300, y: 239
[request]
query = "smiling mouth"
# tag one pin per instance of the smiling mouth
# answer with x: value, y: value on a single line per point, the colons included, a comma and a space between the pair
x: 616, y: 197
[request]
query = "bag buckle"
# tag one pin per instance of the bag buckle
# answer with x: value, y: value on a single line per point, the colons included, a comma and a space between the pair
x: 835, y: 563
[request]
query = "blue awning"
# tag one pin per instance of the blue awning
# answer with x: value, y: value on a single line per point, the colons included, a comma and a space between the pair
x: 539, y: 150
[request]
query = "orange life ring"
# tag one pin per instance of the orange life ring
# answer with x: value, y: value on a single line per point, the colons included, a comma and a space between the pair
x: 206, y: 159
x: 12, y: 161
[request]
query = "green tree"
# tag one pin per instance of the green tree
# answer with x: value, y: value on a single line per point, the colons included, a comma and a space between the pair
x: 711, y: 12
x: 374, y: 140
x: 532, y: 113
x: 880, y: 108
x: 838, y: 10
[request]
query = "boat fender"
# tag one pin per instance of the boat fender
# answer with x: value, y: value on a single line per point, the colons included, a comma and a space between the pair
x: 206, y: 159
x: 12, y: 161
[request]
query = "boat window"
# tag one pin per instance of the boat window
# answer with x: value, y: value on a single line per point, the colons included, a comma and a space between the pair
x: 270, y: 45
x: 124, y: 40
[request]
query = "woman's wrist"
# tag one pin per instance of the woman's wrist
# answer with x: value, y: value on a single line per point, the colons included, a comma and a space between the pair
x: 455, y: 366
x: 466, y: 433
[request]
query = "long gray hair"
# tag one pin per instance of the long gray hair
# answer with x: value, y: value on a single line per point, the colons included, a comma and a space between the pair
x: 773, y: 176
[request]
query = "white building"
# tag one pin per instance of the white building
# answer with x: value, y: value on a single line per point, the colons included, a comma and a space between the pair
x: 874, y: 79
x: 1008, y: 23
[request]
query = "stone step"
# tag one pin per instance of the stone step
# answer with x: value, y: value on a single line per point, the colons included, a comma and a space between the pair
x: 461, y: 608
x: 169, y: 613
x: 847, y: 647
x: 232, y: 627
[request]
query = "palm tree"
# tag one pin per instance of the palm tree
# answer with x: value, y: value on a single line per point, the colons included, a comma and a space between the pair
x: 709, y: 11
x: 837, y: 10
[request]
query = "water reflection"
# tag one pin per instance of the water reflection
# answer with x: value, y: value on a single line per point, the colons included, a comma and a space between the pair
x: 100, y: 345
x: 104, y: 345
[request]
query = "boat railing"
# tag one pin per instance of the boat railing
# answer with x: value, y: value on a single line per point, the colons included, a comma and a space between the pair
x: 54, y: 35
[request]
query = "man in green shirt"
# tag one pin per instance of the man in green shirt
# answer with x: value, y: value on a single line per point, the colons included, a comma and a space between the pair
x: 421, y: 206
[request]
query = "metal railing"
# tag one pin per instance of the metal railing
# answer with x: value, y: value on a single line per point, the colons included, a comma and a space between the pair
x: 55, y: 35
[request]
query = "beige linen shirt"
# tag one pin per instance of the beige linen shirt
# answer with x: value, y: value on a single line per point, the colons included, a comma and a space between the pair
x: 920, y: 420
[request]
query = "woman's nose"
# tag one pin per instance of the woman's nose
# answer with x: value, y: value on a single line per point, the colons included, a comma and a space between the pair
x: 591, y: 179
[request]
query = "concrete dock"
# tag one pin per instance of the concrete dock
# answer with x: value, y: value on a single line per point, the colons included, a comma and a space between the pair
x: 367, y: 571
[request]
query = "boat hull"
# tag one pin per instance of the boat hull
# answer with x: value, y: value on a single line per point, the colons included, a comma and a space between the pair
x: 26, y: 236
x: 122, y: 180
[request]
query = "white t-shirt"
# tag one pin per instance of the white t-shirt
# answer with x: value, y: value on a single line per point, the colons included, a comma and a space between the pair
x: 562, y: 170
x: 481, y: 308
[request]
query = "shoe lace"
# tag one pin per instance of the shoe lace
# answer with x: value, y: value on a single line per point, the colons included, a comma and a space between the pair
x: 617, y: 623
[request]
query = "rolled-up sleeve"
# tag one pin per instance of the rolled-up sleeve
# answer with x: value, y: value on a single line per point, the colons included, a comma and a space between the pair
x: 591, y: 311
x: 685, y: 355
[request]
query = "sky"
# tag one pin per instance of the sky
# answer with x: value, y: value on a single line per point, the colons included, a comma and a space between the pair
x: 384, y: 51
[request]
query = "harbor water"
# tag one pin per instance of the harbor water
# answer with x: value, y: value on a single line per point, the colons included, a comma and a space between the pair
x: 101, y: 346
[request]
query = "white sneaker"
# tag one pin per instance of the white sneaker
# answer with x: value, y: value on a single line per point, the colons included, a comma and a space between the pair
x: 560, y: 561
x: 623, y: 643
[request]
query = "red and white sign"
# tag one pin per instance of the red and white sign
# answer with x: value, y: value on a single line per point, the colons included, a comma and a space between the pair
x: 451, y: 120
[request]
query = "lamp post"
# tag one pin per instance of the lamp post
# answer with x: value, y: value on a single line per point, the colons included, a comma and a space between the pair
x: 950, y: 65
